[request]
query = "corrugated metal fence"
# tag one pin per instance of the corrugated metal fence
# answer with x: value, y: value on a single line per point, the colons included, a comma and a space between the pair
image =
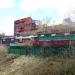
x: 39, y: 50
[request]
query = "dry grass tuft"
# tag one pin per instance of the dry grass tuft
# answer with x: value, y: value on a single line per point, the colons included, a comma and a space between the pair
x: 30, y: 65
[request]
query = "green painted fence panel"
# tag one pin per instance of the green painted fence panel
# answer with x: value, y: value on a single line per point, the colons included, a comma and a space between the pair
x: 45, y: 38
x: 52, y: 38
x: 37, y: 50
x: 72, y: 37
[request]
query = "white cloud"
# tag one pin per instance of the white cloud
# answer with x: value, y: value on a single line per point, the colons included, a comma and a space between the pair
x: 34, y: 5
x: 7, y: 25
x: 6, y: 3
x: 61, y: 6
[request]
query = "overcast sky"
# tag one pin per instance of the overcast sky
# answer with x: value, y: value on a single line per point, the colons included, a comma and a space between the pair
x: 11, y: 10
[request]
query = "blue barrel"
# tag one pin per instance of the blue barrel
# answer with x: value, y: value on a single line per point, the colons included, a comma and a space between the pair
x: 12, y: 40
x: 8, y: 41
x: 0, y: 41
x: 4, y: 41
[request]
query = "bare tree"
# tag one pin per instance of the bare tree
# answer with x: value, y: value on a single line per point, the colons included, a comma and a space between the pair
x: 46, y: 22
